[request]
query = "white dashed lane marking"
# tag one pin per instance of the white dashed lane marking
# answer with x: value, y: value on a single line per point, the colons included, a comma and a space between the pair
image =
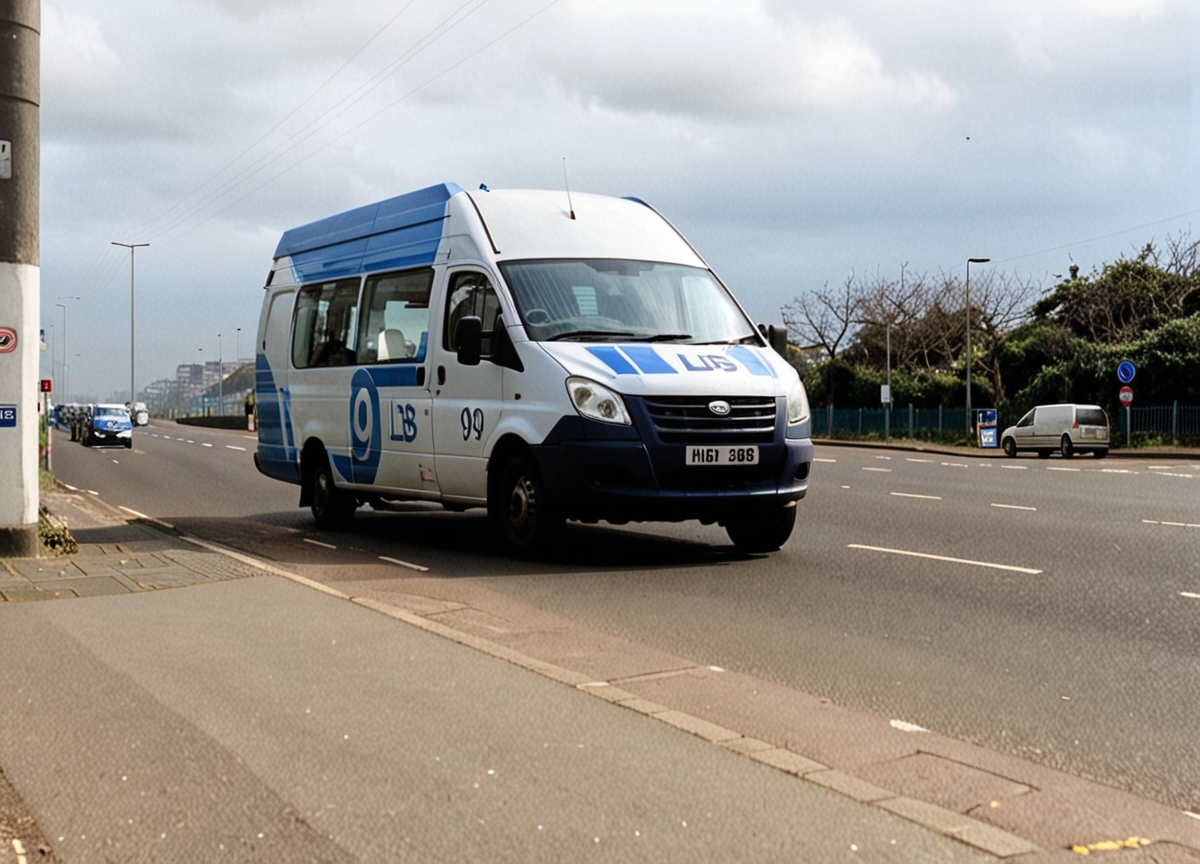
x: 234, y: 447
x: 318, y: 543
x: 945, y: 558
x: 1171, y: 524
x: 1012, y: 507
x: 884, y: 470
x: 815, y: 459
x: 911, y: 495
x: 400, y: 563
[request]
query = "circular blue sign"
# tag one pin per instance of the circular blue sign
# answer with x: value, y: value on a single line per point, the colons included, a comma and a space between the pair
x: 1126, y: 371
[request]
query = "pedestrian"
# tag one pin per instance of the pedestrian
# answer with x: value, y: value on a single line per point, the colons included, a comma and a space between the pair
x: 251, y: 417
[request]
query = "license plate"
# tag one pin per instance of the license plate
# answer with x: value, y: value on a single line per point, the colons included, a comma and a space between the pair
x: 721, y: 456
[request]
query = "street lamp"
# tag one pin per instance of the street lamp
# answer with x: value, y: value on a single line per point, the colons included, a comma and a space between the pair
x: 63, y: 307
x: 970, y: 261
x: 220, y: 376
x: 132, y: 247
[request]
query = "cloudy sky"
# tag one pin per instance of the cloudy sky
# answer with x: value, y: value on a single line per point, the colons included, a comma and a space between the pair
x: 793, y: 141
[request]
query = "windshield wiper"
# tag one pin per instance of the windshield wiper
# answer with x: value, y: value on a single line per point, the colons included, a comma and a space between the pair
x: 744, y: 340
x: 590, y: 335
x: 667, y: 337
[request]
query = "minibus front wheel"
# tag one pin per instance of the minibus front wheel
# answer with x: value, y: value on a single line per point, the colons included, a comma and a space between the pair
x: 762, y: 529
x: 522, y: 508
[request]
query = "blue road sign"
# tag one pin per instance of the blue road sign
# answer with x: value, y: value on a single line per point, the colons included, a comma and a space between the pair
x: 8, y: 415
x: 1126, y: 371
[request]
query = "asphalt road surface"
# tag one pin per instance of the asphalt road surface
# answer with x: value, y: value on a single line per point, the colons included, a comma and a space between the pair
x: 1044, y: 608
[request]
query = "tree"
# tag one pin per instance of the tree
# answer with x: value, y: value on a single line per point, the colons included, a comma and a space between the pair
x: 1129, y: 298
x: 824, y: 318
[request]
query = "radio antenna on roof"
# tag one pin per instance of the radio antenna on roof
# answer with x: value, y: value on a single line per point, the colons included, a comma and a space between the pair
x: 567, y: 184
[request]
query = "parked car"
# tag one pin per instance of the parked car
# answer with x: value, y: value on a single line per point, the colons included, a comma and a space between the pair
x: 1069, y: 429
x: 108, y: 424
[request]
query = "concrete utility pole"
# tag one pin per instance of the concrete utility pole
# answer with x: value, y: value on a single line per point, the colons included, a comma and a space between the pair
x: 20, y: 274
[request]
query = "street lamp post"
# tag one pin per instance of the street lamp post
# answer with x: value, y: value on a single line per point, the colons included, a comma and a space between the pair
x: 63, y: 307
x: 220, y: 377
x: 132, y: 247
x: 970, y: 261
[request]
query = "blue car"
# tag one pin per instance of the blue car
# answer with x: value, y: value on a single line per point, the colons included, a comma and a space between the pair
x: 108, y: 424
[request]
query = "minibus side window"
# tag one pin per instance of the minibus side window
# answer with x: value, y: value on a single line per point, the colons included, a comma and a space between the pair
x: 471, y: 294
x: 1027, y: 420
x: 325, y: 329
x: 395, y: 320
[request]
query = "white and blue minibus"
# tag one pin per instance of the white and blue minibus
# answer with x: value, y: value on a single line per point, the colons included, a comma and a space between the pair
x: 548, y: 357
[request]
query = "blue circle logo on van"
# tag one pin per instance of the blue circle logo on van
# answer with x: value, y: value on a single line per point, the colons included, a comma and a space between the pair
x: 365, y: 427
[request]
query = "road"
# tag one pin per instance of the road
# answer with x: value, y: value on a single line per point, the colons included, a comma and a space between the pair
x: 1043, y: 608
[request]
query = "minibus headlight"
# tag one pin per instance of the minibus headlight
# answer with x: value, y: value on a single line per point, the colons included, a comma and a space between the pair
x: 797, y: 405
x: 597, y: 402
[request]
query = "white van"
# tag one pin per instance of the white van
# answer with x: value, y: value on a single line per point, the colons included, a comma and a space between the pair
x: 1069, y: 429
x: 545, y: 358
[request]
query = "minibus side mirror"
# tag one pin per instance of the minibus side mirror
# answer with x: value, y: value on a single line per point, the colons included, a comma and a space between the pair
x: 468, y: 336
x: 776, y: 336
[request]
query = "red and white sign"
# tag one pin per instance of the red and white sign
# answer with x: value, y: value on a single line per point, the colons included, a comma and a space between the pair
x: 8, y: 339
x: 1126, y: 396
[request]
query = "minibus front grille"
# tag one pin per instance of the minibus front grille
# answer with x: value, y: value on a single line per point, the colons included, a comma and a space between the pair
x: 689, y: 420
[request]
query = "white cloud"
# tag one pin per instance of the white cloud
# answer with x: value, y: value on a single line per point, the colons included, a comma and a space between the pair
x: 75, y: 55
x: 713, y: 58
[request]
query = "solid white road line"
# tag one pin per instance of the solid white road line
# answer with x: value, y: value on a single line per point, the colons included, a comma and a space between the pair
x: 1013, y: 507
x: 417, y: 567
x: 318, y: 543
x: 911, y: 495
x: 945, y: 558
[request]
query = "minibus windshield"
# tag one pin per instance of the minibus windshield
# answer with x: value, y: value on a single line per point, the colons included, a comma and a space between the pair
x: 597, y: 300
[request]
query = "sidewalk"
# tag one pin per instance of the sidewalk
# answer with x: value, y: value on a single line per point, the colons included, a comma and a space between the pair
x: 918, y: 795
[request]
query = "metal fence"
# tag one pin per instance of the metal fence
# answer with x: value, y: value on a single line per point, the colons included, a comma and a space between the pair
x: 902, y: 422
x: 1175, y: 420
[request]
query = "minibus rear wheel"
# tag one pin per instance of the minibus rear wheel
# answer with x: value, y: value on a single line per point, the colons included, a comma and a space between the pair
x: 762, y: 530
x: 332, y: 508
